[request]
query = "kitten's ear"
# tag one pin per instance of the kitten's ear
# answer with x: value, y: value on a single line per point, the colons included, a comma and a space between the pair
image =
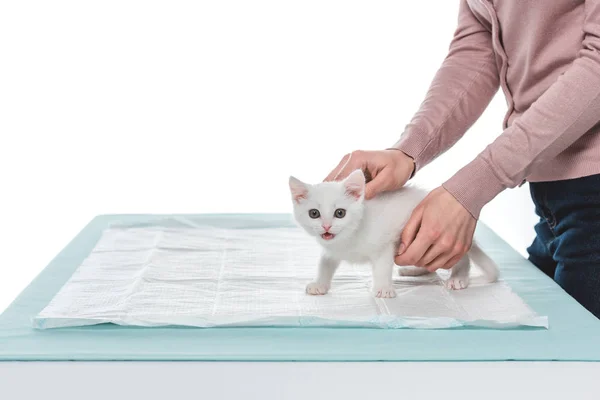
x: 299, y: 189
x: 355, y: 184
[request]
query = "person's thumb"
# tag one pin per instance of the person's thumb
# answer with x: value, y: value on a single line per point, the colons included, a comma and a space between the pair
x: 409, y: 233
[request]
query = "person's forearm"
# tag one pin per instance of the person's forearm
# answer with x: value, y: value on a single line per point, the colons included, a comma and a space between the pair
x: 461, y: 90
x: 564, y: 113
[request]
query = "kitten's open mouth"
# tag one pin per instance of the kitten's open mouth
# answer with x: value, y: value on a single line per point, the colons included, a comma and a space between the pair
x: 328, y: 236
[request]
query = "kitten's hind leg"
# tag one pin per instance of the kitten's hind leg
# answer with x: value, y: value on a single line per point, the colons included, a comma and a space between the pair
x: 459, y: 276
x: 383, y: 268
x: 412, y: 271
x: 327, y: 267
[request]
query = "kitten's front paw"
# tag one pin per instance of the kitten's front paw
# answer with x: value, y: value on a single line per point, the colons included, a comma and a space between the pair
x: 316, y: 288
x: 385, y: 292
x: 457, y: 283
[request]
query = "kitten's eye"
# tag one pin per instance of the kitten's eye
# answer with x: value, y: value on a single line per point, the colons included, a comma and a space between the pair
x: 314, y: 213
x: 340, y: 213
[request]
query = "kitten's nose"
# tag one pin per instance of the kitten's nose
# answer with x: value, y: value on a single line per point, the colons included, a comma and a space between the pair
x: 326, y: 227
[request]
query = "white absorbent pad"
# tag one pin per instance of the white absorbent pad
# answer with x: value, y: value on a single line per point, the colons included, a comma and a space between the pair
x: 175, y: 274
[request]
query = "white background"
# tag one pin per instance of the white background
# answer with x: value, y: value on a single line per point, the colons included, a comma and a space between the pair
x: 207, y: 106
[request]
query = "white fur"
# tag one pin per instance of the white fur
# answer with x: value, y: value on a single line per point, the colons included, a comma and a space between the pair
x: 368, y: 233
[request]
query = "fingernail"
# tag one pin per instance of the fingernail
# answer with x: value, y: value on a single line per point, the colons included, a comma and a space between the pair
x: 401, y: 249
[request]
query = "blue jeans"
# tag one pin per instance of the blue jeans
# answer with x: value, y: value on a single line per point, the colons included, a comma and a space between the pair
x: 567, y: 245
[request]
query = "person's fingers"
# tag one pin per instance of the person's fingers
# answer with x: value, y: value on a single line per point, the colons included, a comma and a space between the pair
x: 458, y: 253
x: 415, y: 251
x: 443, y: 249
x: 335, y: 172
x: 349, y: 164
x: 409, y: 233
x: 432, y: 254
x: 439, y: 262
x: 412, y: 244
x: 452, y: 262
x: 380, y: 183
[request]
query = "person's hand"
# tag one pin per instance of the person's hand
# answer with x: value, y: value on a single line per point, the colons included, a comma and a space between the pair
x: 385, y: 169
x: 438, y: 234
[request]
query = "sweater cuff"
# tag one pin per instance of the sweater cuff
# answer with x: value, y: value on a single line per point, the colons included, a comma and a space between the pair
x: 412, y: 143
x: 474, y: 186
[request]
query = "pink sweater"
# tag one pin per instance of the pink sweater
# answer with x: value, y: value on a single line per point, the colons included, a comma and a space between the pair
x: 545, y: 55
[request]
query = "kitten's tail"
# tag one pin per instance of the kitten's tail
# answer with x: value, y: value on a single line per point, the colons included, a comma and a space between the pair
x: 485, y: 263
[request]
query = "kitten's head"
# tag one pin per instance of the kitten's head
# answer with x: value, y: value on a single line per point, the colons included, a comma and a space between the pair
x: 329, y: 211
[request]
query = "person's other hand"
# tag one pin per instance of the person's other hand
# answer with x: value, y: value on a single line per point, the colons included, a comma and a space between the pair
x: 438, y: 234
x: 385, y: 169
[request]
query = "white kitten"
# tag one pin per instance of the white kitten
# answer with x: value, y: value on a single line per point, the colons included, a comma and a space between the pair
x: 352, y: 229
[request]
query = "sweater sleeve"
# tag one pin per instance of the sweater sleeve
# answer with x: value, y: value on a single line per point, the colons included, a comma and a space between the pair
x: 462, y: 88
x: 564, y: 113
